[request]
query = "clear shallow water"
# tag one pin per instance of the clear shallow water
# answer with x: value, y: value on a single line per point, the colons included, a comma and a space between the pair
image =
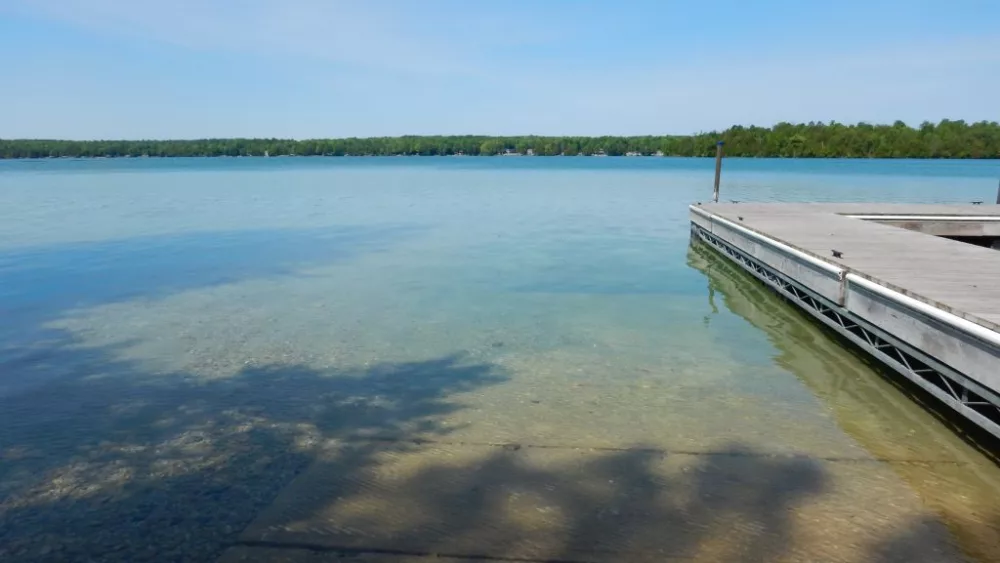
x: 183, y: 337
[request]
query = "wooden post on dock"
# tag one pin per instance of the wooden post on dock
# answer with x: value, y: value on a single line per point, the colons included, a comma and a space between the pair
x: 718, y: 171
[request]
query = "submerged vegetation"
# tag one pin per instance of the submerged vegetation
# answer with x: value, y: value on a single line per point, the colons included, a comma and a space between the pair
x: 947, y: 139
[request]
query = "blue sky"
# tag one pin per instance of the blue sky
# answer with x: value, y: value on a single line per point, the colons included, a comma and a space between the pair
x: 86, y: 69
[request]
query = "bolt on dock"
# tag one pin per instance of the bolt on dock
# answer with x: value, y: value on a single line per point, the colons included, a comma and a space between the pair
x: 915, y: 286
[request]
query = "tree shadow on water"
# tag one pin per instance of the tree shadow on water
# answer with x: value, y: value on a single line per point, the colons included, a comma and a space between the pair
x: 292, y: 463
x: 538, y: 504
x: 110, y: 463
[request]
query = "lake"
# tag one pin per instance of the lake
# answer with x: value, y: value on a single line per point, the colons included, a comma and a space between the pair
x: 504, y: 358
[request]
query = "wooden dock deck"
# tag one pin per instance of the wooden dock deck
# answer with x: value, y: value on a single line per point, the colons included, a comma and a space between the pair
x: 925, y: 305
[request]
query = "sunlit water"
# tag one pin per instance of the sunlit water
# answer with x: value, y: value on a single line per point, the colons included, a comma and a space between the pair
x: 181, y: 338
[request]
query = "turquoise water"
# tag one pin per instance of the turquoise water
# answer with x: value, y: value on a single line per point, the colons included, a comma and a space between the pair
x: 168, y: 324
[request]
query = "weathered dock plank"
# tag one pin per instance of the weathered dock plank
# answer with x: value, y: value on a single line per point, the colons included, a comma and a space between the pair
x: 960, y: 278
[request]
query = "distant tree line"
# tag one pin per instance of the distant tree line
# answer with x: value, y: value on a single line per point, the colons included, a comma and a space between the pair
x: 947, y: 139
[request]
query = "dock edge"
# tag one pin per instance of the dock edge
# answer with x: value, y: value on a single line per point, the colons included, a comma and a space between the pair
x: 860, y: 310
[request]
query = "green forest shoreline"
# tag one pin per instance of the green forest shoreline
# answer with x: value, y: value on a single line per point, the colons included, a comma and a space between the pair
x: 946, y: 139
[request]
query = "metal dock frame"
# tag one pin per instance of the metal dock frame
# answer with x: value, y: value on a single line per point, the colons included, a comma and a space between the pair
x: 970, y: 399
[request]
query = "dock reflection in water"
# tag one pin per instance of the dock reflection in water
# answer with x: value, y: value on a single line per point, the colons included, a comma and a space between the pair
x: 890, y: 422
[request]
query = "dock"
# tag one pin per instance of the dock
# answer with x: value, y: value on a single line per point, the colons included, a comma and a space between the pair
x: 915, y: 286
